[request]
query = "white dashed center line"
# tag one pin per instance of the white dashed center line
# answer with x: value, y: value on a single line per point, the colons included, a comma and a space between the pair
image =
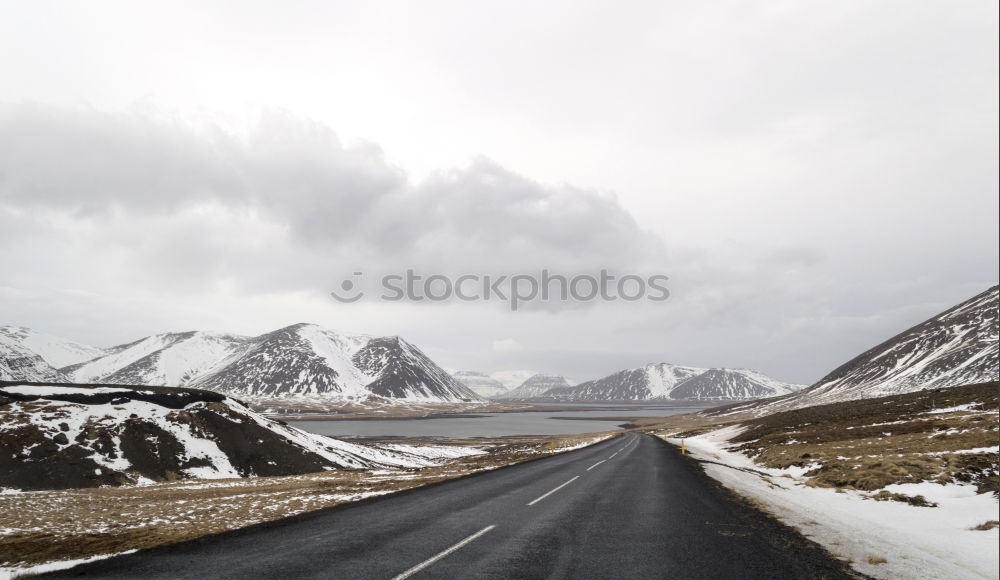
x: 538, y: 499
x: 433, y: 559
x: 473, y: 537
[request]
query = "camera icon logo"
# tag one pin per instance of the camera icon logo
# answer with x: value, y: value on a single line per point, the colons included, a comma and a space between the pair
x: 348, y: 286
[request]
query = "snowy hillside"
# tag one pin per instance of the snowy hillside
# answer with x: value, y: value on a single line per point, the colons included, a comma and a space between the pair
x: 481, y: 383
x: 172, y: 359
x: 402, y: 371
x: 17, y: 362
x: 666, y: 381
x: 536, y: 386
x: 957, y: 347
x: 299, y: 360
x: 62, y: 436
x: 57, y: 352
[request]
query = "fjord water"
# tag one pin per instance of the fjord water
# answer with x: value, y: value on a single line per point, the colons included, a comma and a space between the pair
x: 556, y: 422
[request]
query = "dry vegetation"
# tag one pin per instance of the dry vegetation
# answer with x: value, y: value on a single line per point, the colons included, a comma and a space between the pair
x: 942, y: 435
x: 44, y: 526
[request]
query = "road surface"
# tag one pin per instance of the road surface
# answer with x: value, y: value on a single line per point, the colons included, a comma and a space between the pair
x: 631, y: 507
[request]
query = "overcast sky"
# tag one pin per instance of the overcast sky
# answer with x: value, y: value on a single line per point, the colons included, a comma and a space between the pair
x: 814, y: 177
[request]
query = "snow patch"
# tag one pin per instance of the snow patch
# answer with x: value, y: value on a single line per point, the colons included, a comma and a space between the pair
x: 10, y: 573
x: 917, y: 542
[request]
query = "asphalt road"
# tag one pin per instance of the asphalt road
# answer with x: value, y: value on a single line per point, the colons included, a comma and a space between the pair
x: 631, y: 507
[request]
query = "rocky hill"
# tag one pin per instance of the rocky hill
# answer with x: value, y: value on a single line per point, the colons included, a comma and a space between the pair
x: 57, y: 436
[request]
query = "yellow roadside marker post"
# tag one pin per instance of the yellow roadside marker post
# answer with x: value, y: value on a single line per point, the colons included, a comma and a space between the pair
x: 682, y: 447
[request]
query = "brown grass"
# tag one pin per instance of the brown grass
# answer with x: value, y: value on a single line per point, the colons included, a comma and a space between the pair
x: 915, y: 500
x: 867, y: 445
x: 876, y: 560
x: 986, y: 526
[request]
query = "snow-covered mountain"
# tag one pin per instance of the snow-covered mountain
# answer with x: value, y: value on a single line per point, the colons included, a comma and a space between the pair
x: 64, y: 436
x: 18, y: 362
x: 957, y: 347
x: 299, y: 360
x: 536, y: 386
x: 665, y: 381
x: 172, y: 359
x: 34, y: 356
x: 402, y: 371
x: 57, y: 352
x: 481, y: 383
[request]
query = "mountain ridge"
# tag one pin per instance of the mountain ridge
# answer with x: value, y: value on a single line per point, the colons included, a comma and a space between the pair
x: 299, y: 360
x: 481, y: 383
x: 536, y: 386
x: 666, y: 381
x: 955, y: 347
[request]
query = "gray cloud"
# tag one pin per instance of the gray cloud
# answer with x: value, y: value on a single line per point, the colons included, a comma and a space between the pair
x: 193, y: 203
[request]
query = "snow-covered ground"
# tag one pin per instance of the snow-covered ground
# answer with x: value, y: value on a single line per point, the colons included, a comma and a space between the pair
x: 916, y: 542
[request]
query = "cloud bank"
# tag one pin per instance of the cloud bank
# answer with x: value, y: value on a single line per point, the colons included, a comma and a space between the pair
x: 116, y: 225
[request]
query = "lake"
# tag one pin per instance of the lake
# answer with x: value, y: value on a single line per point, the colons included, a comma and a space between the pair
x: 555, y: 422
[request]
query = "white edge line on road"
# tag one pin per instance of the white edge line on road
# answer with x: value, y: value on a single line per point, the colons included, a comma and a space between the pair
x: 433, y: 559
x: 596, y: 464
x: 538, y: 499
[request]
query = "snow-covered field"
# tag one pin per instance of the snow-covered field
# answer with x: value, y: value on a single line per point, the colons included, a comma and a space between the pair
x: 914, y: 542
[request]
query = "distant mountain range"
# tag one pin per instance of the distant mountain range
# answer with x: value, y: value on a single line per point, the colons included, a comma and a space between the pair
x: 298, y: 360
x: 660, y: 381
x: 957, y: 347
x: 664, y: 381
x: 536, y: 386
x: 481, y: 383
x: 512, y: 379
x: 510, y: 385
